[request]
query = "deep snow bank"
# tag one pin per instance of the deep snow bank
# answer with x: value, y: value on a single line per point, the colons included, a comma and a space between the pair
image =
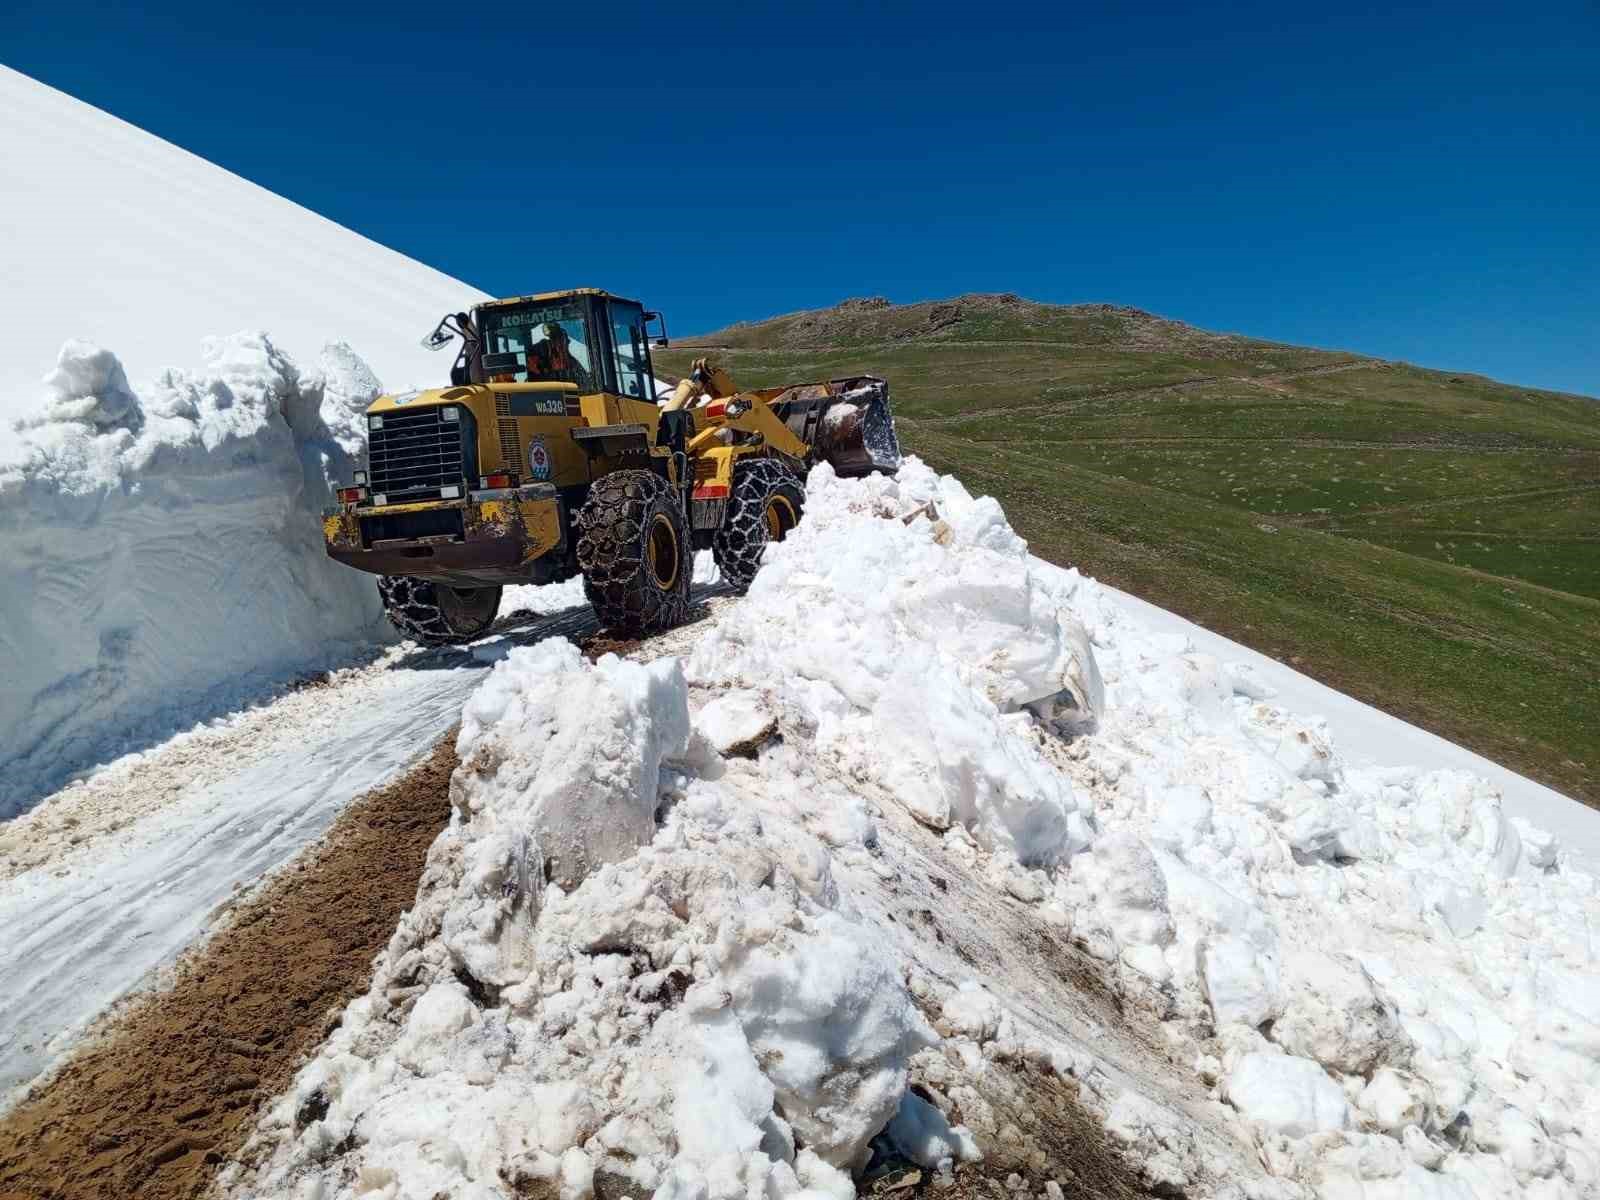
x: 1378, y: 985
x: 160, y: 551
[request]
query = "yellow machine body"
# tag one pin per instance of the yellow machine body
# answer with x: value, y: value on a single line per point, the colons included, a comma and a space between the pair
x: 496, y: 468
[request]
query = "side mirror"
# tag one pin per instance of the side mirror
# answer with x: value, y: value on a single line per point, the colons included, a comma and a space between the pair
x: 660, y: 339
x: 443, y: 334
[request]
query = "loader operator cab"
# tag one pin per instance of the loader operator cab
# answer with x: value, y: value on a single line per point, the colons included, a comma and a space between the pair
x: 589, y: 338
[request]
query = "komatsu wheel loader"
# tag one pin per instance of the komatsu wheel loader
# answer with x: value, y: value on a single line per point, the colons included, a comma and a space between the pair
x: 551, y: 454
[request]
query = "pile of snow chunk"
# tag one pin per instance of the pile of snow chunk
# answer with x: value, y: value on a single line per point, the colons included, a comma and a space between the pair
x: 911, y: 649
x: 684, y: 1014
x: 1379, y: 969
x: 161, y: 550
x: 628, y: 962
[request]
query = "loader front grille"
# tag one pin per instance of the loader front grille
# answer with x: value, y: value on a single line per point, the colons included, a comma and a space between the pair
x: 412, y: 455
x: 510, y: 452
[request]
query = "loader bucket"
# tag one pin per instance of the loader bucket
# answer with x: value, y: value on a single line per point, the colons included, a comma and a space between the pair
x: 847, y: 422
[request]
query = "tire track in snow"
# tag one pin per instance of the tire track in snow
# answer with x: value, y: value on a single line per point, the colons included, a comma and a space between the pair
x: 94, y: 923
x: 169, y: 1087
x: 170, y: 1090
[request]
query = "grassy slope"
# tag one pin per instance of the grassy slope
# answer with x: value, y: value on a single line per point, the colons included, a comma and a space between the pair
x: 1424, y: 541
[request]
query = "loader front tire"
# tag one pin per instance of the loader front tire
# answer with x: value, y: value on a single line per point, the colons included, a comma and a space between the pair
x: 634, y: 552
x: 437, y: 614
x: 766, y: 504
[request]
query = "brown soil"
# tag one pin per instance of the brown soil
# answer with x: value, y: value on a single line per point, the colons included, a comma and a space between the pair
x: 602, y: 642
x: 171, y: 1087
x: 1058, y: 1138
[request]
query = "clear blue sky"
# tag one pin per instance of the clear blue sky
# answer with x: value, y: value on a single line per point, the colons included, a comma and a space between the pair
x: 1418, y: 183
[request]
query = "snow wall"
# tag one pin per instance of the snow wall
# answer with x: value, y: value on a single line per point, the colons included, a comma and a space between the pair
x: 161, y: 555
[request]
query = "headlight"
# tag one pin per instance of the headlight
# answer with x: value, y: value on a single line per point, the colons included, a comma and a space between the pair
x: 374, y: 422
x: 451, y: 414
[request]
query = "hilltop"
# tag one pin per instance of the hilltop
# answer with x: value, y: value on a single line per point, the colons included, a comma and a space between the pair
x: 974, y: 317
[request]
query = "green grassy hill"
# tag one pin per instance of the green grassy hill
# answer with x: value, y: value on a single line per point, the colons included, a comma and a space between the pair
x: 1428, y: 542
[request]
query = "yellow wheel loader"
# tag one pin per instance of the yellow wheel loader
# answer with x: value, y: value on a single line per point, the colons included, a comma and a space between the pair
x: 552, y: 454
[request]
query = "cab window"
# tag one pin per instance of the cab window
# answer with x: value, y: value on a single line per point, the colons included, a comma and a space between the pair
x: 627, y: 334
x: 537, y: 343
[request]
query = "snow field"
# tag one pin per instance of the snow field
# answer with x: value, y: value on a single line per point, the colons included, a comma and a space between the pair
x: 131, y: 242
x: 667, y: 941
x: 160, y: 549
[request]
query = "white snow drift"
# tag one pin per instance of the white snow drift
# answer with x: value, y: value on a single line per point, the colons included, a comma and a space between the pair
x: 632, y: 956
x: 160, y: 548
x: 120, y: 238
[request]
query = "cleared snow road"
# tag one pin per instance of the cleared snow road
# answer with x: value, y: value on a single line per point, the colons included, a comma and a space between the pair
x: 83, y: 931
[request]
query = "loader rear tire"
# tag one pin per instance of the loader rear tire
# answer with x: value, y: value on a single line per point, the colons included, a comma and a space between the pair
x: 437, y: 614
x: 766, y: 504
x: 634, y: 552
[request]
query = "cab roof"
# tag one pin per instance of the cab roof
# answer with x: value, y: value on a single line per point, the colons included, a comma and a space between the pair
x: 546, y: 297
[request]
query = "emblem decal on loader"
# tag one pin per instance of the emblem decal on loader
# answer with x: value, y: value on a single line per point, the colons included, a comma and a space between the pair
x: 538, y: 459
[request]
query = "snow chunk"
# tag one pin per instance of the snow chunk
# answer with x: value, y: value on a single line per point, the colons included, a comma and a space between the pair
x: 1121, y: 888
x: 1395, y: 1100
x: 971, y: 1012
x: 88, y: 386
x: 1184, y: 818
x: 835, y: 1025
x: 1332, y: 1014
x: 735, y: 720
x: 921, y: 1133
x: 1240, y: 982
x: 1286, y: 1094
x: 439, y: 1013
x: 583, y: 792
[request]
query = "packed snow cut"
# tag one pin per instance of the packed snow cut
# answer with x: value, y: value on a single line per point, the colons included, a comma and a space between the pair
x: 159, y: 555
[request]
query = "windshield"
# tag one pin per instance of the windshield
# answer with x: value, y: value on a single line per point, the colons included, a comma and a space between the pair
x: 536, y: 343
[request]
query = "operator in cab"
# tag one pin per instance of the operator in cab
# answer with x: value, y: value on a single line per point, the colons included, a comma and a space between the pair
x: 552, y: 359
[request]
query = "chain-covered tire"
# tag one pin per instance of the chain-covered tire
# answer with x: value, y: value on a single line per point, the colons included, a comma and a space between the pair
x: 437, y: 614
x: 766, y: 503
x: 635, y: 554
